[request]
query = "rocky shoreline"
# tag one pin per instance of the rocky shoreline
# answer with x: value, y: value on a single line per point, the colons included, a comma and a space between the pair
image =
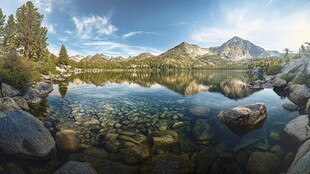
x: 298, y: 128
x: 159, y: 151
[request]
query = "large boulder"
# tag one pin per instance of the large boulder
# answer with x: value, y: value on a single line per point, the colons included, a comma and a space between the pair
x: 7, y: 103
x: 24, y: 135
x: 73, y: 167
x: 68, y: 140
x: 32, y: 97
x: 299, y: 94
x: 301, y: 162
x: 244, y: 116
x: 43, y: 89
x: 278, y: 82
x: 8, y: 91
x: 298, y: 128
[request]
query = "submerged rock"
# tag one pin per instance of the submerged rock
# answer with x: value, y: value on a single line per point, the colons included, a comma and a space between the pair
x: 73, y: 167
x: 22, y: 134
x: 202, y: 130
x: 299, y: 94
x: 244, y: 116
x: 298, y: 128
x: 200, y: 111
x: 7, y: 103
x: 165, y: 140
x: 133, y: 153
x: 290, y: 107
x: 168, y: 163
x: 262, y: 162
x: 301, y: 162
x: 68, y: 140
x: 8, y: 91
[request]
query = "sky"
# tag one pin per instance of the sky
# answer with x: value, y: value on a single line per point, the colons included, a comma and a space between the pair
x: 130, y: 27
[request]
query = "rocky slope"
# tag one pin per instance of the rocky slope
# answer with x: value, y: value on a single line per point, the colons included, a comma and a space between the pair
x: 237, y: 49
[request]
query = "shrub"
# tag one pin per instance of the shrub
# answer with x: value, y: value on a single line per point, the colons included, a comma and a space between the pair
x: 302, y: 78
x: 273, y: 70
x: 18, y: 72
x: 288, y: 77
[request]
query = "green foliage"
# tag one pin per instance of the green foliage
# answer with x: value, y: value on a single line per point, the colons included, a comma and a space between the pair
x: 31, y: 36
x: 63, y: 58
x: 302, y: 78
x: 9, y: 36
x: 2, y: 22
x: 288, y: 77
x: 274, y: 69
x: 17, y: 71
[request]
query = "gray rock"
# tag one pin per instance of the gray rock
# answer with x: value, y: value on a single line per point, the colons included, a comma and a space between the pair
x: 280, y: 83
x: 299, y: 66
x: 68, y: 140
x: 245, y: 116
x: 262, y: 162
x: 31, y: 96
x: 202, y: 130
x: 301, y: 162
x: 73, y: 167
x: 298, y: 128
x: 308, y: 107
x: 22, y: 134
x: 21, y: 102
x: 299, y: 94
x: 9, y: 91
x: 7, y: 103
x: 43, y: 89
x: 290, y: 107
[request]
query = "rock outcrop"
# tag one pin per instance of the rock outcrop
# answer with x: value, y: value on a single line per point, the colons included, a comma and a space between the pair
x: 24, y: 135
x: 244, y: 116
x: 301, y: 162
x: 7, y: 103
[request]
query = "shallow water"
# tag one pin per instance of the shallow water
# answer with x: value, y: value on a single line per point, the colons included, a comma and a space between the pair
x: 186, y: 103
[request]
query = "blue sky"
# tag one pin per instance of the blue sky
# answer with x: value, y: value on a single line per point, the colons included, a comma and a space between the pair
x: 130, y: 27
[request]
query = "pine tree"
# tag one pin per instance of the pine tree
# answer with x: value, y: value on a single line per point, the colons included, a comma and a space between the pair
x: 31, y: 36
x: 2, y: 21
x: 9, y: 36
x: 63, y: 58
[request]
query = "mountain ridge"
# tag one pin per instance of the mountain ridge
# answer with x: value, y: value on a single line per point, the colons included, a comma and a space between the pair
x: 234, y: 49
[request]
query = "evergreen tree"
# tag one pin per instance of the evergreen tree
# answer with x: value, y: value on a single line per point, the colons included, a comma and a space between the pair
x: 31, y: 36
x: 9, y: 36
x: 63, y: 58
x: 2, y: 21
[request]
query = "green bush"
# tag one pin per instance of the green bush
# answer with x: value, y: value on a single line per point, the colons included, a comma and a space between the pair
x: 288, y: 77
x: 273, y: 70
x: 302, y: 79
x: 18, y: 72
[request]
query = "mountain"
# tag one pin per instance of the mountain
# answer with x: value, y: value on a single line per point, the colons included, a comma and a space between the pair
x: 77, y: 58
x: 188, y: 50
x: 238, y: 48
x: 143, y: 56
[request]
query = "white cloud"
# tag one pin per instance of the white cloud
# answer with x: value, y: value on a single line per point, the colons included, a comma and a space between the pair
x: 130, y: 34
x: 90, y: 26
x: 119, y: 49
x: 45, y: 5
x: 271, y: 31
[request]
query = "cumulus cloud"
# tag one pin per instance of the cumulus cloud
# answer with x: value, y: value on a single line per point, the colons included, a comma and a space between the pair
x: 271, y: 31
x: 93, y: 25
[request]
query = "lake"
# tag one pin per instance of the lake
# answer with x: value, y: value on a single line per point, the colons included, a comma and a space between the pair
x: 166, y: 121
